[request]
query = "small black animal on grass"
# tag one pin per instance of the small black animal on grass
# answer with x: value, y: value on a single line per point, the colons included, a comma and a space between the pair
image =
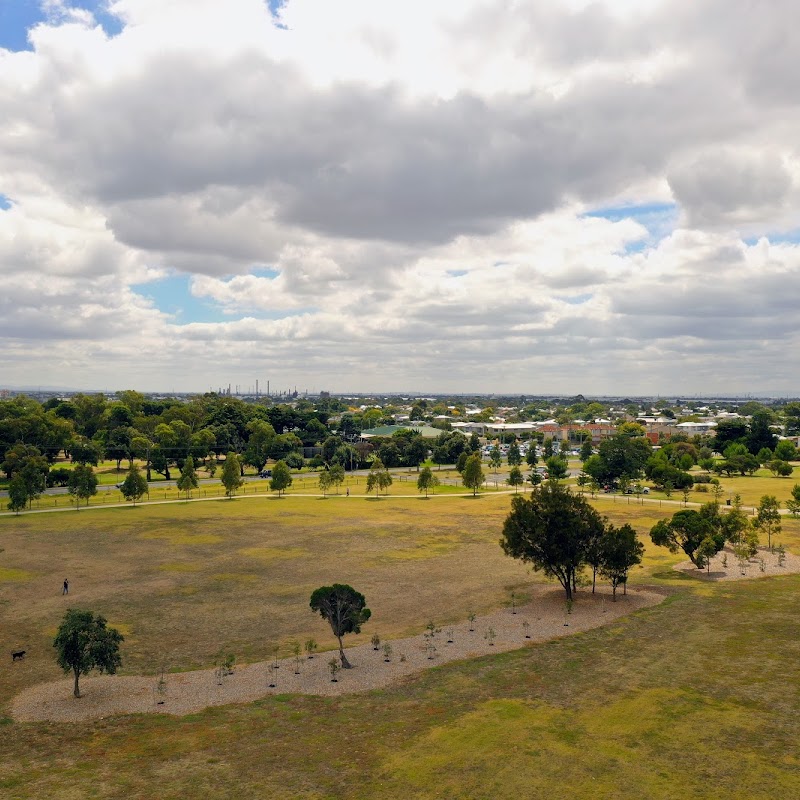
x: 19, y: 655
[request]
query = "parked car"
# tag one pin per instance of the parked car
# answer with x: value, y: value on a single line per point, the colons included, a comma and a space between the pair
x: 265, y: 473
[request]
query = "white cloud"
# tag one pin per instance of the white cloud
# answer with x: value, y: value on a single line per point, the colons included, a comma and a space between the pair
x: 388, y: 195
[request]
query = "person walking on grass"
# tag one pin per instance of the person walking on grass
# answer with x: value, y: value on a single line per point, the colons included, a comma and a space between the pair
x: 65, y: 589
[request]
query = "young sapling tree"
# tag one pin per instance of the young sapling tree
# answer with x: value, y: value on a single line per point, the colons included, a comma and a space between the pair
x: 296, y: 650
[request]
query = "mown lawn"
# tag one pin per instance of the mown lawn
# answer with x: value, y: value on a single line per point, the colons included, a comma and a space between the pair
x: 694, y: 698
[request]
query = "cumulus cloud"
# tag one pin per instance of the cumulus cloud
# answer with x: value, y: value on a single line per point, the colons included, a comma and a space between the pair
x: 389, y: 195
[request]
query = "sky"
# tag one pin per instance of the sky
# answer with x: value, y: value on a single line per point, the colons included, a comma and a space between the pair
x: 494, y: 196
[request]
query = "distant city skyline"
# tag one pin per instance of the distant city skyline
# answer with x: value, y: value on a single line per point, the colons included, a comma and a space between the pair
x: 474, y: 197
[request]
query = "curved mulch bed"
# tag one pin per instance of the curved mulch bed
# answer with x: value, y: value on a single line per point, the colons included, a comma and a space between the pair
x: 725, y: 566
x: 189, y: 692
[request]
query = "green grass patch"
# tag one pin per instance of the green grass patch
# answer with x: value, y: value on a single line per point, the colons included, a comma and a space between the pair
x: 269, y: 554
x: 9, y: 575
x: 181, y: 566
x: 693, y: 698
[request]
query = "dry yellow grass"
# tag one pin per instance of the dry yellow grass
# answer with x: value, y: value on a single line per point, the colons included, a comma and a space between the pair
x: 608, y: 712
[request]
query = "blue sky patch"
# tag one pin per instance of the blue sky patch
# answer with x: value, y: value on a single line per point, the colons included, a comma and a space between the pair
x: 265, y: 272
x: 173, y: 296
x: 640, y: 213
x: 275, y: 7
x: 456, y: 273
x: 4, y: 202
x: 660, y: 219
x: 792, y: 237
x: 17, y: 17
x: 576, y: 299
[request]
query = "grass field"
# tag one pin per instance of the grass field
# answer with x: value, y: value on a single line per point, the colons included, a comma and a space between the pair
x: 694, y: 698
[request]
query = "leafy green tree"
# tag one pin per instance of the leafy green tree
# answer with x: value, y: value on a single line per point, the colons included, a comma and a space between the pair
x: 19, y: 457
x: 336, y: 472
x: 389, y: 453
x: 119, y: 445
x: 416, y: 451
x: 586, y: 450
x: 594, y: 553
x: 439, y: 455
x: 706, y: 551
x: 346, y: 456
x: 82, y: 483
x: 791, y: 414
x: 188, y: 479
x: 17, y: 494
x: 514, y: 457
x: 779, y: 468
x: 495, y: 458
x: 324, y: 481
x: 685, y: 531
x: 472, y: 477
x: 453, y: 444
x: 313, y: 432
x: 281, y: 478
x: 259, y: 443
x: 201, y: 444
x: 729, y: 431
x: 84, y: 451
x: 426, y: 480
x: 531, y: 459
x: 660, y: 471
x: 737, y: 459
x: 231, y: 474
x: 547, y: 448
x: 88, y: 413
x: 764, y: 455
x: 378, y: 477
x: 760, y: 434
x: 768, y: 519
x: 794, y: 504
x: 344, y: 609
x: 785, y: 450
x: 621, y: 456
x: 134, y: 487
x: 461, y: 462
x: 551, y: 530
x: 735, y: 449
x: 515, y: 478
x: 620, y: 549
x: 34, y: 472
x: 83, y: 643
x: 294, y: 460
x: 142, y: 447
x: 557, y: 468
x: 735, y: 525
